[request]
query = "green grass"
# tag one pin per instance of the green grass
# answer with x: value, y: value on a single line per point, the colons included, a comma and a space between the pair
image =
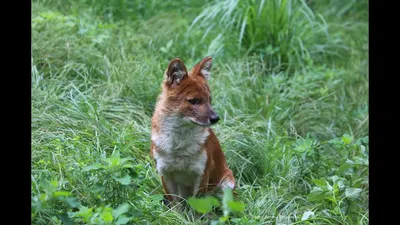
x: 289, y: 81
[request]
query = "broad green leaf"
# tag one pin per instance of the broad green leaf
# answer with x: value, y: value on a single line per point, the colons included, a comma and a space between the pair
x: 157, y: 198
x: 123, y: 220
x: 340, y: 184
x: 203, y: 205
x: 115, y: 158
x: 344, y: 167
x: 55, y: 219
x: 54, y: 184
x: 357, y: 182
x: 123, y: 208
x: 335, y: 178
x: 215, y: 222
x: 73, y: 202
x: 307, y: 215
x: 330, y: 188
x: 330, y: 198
x: 136, y: 213
x: 335, y: 188
x: 65, y: 219
x: 236, y: 206
x: 98, y: 188
x: 85, y: 213
x: 114, y: 162
x: 125, y: 180
x: 223, y: 219
x: 319, y: 182
x: 61, y: 193
x: 214, y: 201
x: 107, y: 216
x: 316, y: 195
x: 353, y: 193
x: 50, y: 187
x: 93, y: 167
x: 43, y: 197
x: 200, y: 205
x: 347, y: 139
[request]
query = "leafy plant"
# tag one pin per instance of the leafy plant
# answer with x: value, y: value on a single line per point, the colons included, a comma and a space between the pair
x: 349, y: 168
x: 102, y: 215
x: 206, y: 204
x: 117, y: 174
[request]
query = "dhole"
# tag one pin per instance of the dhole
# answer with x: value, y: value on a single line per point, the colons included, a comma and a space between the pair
x: 187, y: 153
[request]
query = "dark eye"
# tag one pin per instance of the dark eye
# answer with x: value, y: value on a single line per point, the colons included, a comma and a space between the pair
x: 193, y: 101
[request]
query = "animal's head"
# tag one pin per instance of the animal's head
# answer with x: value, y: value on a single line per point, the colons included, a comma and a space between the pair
x: 187, y: 94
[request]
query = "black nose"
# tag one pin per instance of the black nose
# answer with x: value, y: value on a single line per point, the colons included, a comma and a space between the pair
x: 214, y: 118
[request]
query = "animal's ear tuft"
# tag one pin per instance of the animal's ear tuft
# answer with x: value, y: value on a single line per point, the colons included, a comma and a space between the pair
x: 204, y: 67
x: 175, y: 72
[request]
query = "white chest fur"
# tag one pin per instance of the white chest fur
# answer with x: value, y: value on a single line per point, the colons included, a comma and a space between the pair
x: 179, y: 154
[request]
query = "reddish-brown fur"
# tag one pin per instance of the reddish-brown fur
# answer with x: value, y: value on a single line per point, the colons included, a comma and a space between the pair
x: 216, y: 167
x: 177, y: 90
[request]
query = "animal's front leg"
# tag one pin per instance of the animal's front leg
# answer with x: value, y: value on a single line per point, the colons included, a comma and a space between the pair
x: 185, y: 191
x: 170, y: 187
x: 189, y: 190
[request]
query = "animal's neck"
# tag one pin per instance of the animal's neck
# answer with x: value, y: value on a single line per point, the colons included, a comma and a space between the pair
x: 177, y: 135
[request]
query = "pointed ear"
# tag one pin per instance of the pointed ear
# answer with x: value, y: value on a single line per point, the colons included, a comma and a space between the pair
x: 175, y: 72
x: 204, y: 67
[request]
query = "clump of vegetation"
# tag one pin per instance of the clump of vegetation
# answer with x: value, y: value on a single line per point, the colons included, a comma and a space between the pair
x: 285, y: 34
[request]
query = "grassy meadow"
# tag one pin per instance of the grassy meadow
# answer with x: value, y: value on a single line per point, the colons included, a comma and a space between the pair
x: 289, y: 82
